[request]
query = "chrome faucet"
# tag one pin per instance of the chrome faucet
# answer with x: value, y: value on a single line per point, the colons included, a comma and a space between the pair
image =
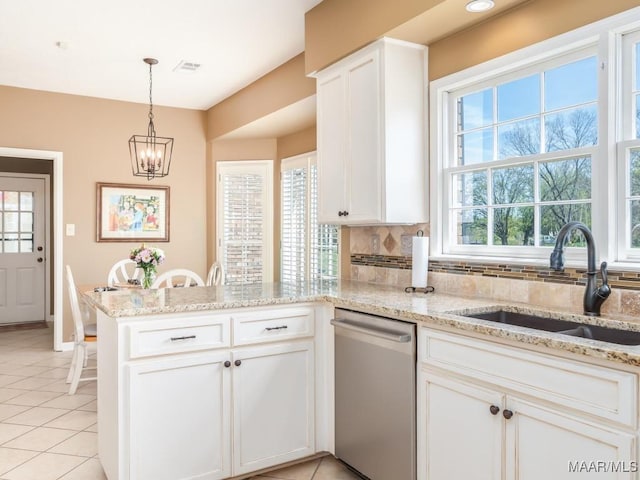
x: 594, y: 296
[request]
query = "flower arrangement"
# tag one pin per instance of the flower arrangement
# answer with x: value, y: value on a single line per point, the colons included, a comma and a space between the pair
x: 148, y: 259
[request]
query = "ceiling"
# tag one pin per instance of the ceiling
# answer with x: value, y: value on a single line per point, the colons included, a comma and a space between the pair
x: 95, y: 48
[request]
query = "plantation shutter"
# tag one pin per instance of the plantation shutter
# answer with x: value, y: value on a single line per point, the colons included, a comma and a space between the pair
x: 244, y: 221
x: 308, y: 250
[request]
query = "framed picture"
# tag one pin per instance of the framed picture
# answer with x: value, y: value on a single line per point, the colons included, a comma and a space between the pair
x: 132, y: 213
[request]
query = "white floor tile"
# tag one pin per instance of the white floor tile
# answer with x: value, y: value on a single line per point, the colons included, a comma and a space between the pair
x: 31, y: 383
x: 36, y: 416
x: 70, y: 402
x: 8, y: 393
x: 9, y: 379
x: 90, y: 407
x: 89, y: 470
x: 9, y: 431
x: 29, y: 371
x: 40, y: 439
x: 46, y: 466
x: 10, y: 458
x: 74, y: 420
x: 32, y: 398
x: 92, y: 428
x: 8, y: 411
x: 83, y: 444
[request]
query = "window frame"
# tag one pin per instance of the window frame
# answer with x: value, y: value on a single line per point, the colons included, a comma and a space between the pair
x: 602, y: 38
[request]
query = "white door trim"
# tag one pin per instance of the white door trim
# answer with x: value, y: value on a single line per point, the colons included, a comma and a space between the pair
x: 58, y: 343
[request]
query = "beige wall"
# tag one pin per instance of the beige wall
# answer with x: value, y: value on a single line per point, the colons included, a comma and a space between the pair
x: 92, y: 134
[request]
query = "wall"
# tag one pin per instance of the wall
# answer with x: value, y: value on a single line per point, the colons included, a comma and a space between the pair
x: 93, y: 134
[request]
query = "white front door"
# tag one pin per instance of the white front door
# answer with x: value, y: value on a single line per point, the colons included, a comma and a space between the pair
x: 22, y: 249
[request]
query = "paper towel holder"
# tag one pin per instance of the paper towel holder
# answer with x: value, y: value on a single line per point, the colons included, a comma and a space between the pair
x: 428, y: 288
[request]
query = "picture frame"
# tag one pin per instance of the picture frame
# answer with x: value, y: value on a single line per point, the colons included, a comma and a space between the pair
x: 132, y: 213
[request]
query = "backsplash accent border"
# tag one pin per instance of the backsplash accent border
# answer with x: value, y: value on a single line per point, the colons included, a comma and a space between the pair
x: 570, y: 276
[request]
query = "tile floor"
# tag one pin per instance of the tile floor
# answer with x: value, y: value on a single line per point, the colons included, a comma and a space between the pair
x: 46, y: 434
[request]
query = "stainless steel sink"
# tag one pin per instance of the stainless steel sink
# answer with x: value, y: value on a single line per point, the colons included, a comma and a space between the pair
x: 564, y: 327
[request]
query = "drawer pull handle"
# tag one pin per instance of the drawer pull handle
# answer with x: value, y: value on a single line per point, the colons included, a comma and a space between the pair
x: 281, y: 327
x: 494, y: 409
x: 190, y: 337
x: 227, y: 364
x: 507, y: 414
x: 237, y: 363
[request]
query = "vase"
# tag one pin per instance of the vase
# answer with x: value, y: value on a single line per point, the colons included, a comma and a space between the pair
x: 149, y: 277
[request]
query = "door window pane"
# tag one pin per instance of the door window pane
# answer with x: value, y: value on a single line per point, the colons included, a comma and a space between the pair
x: 11, y: 200
x: 26, y: 222
x: 571, y: 84
x: 26, y: 243
x: 11, y: 221
x: 10, y: 243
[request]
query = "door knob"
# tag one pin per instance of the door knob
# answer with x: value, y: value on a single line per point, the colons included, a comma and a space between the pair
x: 39, y: 249
x: 40, y: 259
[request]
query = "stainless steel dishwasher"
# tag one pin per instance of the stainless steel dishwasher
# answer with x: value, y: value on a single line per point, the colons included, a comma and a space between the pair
x: 375, y: 395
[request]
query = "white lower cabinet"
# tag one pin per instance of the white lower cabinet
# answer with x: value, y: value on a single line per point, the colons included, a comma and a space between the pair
x: 182, y: 400
x: 180, y: 418
x: 513, y: 425
x: 273, y: 405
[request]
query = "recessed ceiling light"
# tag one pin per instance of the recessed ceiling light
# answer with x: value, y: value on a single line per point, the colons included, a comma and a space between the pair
x: 476, y: 6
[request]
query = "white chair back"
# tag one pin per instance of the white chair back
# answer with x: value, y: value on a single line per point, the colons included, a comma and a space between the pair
x: 122, y: 271
x: 177, y: 276
x: 76, y: 313
x: 215, y: 275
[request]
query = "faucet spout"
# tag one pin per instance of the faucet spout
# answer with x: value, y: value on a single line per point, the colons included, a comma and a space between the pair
x: 594, y: 296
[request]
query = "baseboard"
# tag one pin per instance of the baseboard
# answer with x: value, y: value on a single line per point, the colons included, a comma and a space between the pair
x: 11, y: 327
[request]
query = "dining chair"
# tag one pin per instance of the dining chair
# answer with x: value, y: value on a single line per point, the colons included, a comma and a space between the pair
x: 122, y: 272
x: 215, y: 275
x: 184, y: 279
x: 84, y: 339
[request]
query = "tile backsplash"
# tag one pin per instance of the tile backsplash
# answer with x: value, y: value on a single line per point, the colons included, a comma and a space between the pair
x: 382, y: 254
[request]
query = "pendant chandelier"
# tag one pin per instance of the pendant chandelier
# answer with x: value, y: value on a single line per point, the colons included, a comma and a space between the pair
x: 150, y: 154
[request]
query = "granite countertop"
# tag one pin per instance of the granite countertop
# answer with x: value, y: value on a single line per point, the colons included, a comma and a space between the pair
x: 433, y: 309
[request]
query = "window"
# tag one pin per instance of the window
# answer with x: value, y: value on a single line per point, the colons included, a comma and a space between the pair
x: 525, y: 147
x: 309, y: 251
x: 244, y: 221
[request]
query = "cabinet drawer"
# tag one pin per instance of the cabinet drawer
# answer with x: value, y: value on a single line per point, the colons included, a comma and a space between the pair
x: 270, y: 325
x: 600, y: 391
x: 178, y: 336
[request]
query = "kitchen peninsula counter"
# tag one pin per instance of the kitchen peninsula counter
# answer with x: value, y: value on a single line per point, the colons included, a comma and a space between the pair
x: 433, y: 309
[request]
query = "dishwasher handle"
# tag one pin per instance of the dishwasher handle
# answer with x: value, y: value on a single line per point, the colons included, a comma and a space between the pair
x: 372, y: 330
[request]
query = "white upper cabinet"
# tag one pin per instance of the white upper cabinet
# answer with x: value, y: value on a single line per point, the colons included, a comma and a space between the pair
x: 372, y: 164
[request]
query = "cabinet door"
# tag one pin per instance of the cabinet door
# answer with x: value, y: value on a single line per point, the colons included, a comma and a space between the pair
x: 332, y: 114
x: 273, y: 405
x: 180, y: 418
x: 364, y: 143
x: 458, y: 435
x: 542, y: 443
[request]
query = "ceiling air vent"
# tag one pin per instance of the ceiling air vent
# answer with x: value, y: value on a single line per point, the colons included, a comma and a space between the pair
x: 186, y: 67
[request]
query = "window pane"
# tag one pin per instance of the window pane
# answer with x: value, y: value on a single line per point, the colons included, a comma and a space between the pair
x: 572, y: 128
x: 634, y: 171
x: 11, y: 243
x: 1, y: 223
x: 565, y: 179
x: 26, y: 243
x: 571, y: 84
x: 519, y: 138
x: 11, y: 200
x: 470, y: 189
x: 475, y: 147
x: 26, y: 222
x: 635, y: 224
x: 519, y: 98
x: 26, y: 201
x: 637, y: 58
x: 553, y: 217
x: 512, y: 185
x: 513, y: 226
x: 11, y: 222
x: 471, y: 226
x: 637, y: 116
x: 476, y: 110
